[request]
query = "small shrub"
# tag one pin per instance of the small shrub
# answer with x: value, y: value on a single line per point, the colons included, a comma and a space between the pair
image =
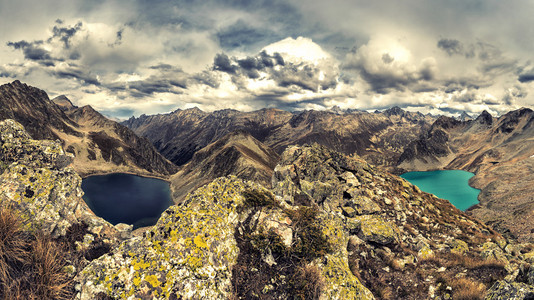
x: 467, y: 289
x: 310, y: 241
x: 306, y: 283
x: 31, y: 265
x: 256, y: 198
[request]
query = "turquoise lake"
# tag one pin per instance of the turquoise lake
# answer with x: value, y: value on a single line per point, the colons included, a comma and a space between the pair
x: 125, y: 198
x: 446, y: 184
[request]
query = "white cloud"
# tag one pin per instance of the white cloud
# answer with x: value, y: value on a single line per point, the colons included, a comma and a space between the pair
x: 298, y: 50
x: 142, y: 57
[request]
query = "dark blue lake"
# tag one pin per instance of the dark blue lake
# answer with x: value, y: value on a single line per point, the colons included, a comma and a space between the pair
x: 446, y: 184
x: 125, y: 198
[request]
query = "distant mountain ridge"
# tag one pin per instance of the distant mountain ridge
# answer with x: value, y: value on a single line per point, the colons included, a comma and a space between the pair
x: 237, y: 153
x: 98, y: 144
x: 498, y: 151
x: 377, y: 137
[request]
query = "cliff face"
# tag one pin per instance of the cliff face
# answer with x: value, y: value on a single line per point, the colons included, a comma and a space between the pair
x: 378, y: 137
x: 498, y: 151
x: 98, y: 144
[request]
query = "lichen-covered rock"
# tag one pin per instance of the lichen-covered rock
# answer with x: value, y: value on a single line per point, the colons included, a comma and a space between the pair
x: 395, y: 228
x: 459, y: 247
x: 36, y: 183
x: 16, y: 145
x: 188, y: 254
x: 491, y: 251
x: 340, y: 282
x: 503, y: 290
x: 375, y: 229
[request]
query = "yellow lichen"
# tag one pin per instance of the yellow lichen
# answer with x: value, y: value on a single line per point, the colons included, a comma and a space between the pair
x: 199, y: 242
x: 153, y: 280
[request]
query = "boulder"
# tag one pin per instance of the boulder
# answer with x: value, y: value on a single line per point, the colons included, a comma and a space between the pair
x: 503, y: 290
x: 36, y: 183
x: 374, y: 229
x: 188, y: 254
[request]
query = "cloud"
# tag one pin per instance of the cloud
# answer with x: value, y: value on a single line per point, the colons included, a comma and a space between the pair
x: 451, y: 46
x: 222, y: 63
x: 151, y: 56
x: 241, y: 35
x: 387, y: 66
x: 32, y: 50
x: 64, y: 34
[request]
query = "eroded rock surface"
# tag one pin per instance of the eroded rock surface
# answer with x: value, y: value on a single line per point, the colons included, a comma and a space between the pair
x: 36, y: 182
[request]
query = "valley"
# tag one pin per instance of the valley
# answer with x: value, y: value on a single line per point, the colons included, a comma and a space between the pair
x: 269, y: 200
x: 497, y: 150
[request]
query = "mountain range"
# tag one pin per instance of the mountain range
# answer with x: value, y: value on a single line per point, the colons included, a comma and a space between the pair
x: 497, y: 150
x: 275, y: 204
x: 197, y: 147
x: 377, y: 137
x: 98, y: 144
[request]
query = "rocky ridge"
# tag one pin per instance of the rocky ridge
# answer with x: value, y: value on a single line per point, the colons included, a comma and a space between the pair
x: 237, y: 153
x: 99, y: 145
x: 377, y: 137
x: 332, y: 227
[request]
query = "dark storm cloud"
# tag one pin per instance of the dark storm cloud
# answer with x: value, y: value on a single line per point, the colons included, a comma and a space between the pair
x: 305, y: 76
x: 152, y: 86
x: 385, y: 82
x: 242, y: 35
x: 206, y: 78
x: 451, y: 46
x: 526, y: 77
x: 31, y: 50
x: 168, y: 79
x: 223, y: 63
x: 65, y: 33
x: 76, y: 72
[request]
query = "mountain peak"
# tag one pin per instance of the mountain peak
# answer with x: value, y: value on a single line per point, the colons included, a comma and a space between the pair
x: 394, y: 111
x: 64, y: 103
x: 237, y: 153
x: 464, y: 116
x: 484, y: 118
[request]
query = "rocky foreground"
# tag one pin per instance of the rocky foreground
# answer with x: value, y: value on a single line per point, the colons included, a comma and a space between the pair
x: 331, y: 227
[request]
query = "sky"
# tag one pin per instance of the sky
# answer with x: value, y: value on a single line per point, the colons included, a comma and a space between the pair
x: 132, y: 57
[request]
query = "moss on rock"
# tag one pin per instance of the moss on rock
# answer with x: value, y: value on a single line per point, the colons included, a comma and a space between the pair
x: 188, y: 254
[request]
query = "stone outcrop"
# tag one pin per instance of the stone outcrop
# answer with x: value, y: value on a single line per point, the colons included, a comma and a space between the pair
x: 37, y: 182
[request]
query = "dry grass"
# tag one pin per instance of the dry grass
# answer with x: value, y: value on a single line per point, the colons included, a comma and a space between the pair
x: 306, y: 283
x: 468, y: 262
x: 31, y: 265
x: 12, y: 246
x: 467, y: 289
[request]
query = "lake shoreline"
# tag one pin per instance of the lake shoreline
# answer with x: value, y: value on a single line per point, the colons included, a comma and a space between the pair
x: 451, y: 185
x: 165, y: 178
x: 120, y: 197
